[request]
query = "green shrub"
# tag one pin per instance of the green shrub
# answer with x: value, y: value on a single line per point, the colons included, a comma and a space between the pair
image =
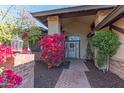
x: 6, y: 32
x: 107, y: 44
x: 101, y: 59
x: 34, y: 34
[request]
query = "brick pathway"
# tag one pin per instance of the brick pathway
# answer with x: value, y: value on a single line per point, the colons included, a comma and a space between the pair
x: 74, y: 77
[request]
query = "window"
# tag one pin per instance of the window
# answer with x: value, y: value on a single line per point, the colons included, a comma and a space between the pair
x: 73, y: 38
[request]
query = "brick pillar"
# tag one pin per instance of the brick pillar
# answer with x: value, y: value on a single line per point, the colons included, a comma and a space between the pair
x: 24, y: 66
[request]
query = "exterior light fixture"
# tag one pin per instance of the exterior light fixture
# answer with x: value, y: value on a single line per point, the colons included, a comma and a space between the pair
x: 17, y: 44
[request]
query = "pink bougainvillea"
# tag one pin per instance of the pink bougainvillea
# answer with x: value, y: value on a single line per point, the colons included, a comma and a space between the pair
x: 52, y: 49
x: 8, y: 78
x: 1, y: 79
x: 6, y: 56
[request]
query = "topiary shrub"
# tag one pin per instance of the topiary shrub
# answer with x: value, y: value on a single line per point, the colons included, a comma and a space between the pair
x: 107, y: 43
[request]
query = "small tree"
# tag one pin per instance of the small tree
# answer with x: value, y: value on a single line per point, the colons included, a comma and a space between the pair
x: 107, y: 44
x: 34, y: 34
x: 53, y: 49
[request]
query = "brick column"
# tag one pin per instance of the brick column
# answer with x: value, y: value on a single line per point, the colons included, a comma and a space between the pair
x: 24, y: 66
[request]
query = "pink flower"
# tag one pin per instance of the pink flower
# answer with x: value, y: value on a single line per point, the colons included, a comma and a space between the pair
x: 5, y: 51
x: 8, y: 86
x: 8, y: 72
x: 12, y: 78
x: 25, y: 34
x: 1, y: 79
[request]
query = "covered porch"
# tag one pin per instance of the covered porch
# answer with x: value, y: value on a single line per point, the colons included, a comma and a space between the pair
x: 75, y: 23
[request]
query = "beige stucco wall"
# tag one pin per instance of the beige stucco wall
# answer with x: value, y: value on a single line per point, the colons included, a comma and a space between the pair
x: 120, y: 23
x: 53, y: 25
x: 78, y: 26
x: 120, y: 52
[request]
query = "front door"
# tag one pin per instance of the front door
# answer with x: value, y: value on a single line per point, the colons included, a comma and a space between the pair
x: 72, y: 48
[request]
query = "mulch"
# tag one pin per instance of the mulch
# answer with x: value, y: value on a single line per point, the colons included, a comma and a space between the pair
x: 98, y: 79
x: 47, y: 78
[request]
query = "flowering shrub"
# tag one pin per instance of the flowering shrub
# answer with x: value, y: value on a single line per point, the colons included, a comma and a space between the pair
x: 53, y: 49
x: 7, y: 77
x: 32, y: 34
x: 25, y: 49
x: 6, y: 55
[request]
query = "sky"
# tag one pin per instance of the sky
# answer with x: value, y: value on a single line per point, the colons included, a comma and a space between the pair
x: 33, y: 8
x: 37, y: 8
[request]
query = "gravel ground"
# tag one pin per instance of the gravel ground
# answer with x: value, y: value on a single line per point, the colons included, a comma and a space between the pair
x: 98, y: 79
x: 47, y: 78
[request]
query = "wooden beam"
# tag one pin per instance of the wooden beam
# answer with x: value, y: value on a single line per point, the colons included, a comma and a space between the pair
x: 112, y: 17
x: 77, y: 14
x: 116, y: 28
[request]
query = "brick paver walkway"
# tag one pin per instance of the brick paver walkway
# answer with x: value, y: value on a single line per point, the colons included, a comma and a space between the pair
x: 74, y: 77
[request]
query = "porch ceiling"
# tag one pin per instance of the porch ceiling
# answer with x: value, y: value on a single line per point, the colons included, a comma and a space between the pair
x: 88, y: 20
x: 74, y: 24
x: 71, y: 12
